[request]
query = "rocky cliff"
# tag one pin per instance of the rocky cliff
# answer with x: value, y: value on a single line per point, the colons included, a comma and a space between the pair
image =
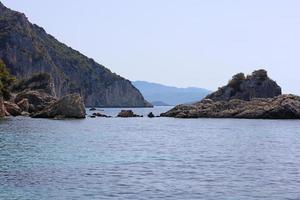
x: 257, y: 85
x: 27, y: 49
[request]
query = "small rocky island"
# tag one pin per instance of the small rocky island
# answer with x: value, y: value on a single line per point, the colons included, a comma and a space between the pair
x: 253, y: 97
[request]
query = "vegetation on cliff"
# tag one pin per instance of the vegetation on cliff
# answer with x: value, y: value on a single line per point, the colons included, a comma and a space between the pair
x: 6, y: 80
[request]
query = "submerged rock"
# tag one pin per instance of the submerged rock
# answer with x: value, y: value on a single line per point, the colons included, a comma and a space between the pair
x: 128, y: 113
x: 70, y: 106
x: 99, y: 115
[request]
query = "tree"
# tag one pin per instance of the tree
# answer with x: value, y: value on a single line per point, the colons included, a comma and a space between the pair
x: 6, y: 80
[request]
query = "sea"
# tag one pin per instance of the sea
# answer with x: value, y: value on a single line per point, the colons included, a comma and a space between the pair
x: 149, y: 158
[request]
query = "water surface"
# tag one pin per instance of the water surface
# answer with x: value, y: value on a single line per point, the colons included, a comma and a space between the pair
x: 142, y: 158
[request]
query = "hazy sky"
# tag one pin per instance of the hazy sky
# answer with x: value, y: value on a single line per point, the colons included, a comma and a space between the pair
x: 178, y: 42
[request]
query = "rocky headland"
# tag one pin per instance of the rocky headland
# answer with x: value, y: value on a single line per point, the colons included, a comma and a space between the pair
x: 27, y: 49
x: 253, y: 97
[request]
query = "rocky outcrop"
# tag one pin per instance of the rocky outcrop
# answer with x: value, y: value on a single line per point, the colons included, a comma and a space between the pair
x: 70, y: 106
x: 12, y: 108
x: 257, y: 85
x: 24, y: 105
x: 27, y: 49
x: 280, y: 107
x: 253, y: 97
x: 128, y: 113
x: 38, y: 91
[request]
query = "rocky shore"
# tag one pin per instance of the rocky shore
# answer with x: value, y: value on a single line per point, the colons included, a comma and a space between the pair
x: 36, y: 97
x: 252, y: 97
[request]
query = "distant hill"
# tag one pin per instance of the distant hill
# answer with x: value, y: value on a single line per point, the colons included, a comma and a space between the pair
x: 159, y: 103
x: 154, y: 92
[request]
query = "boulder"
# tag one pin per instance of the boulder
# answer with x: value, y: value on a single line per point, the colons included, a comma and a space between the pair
x: 12, y: 108
x: 37, y: 99
x: 99, y: 115
x: 24, y: 105
x: 280, y: 107
x: 70, y: 106
x: 92, y: 109
x: 151, y: 115
x: 128, y: 113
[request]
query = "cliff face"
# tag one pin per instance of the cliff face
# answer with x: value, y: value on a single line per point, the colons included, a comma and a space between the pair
x: 257, y: 85
x: 27, y: 49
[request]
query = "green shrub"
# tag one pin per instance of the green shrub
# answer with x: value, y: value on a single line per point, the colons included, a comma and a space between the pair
x: 236, y: 80
x: 6, y: 80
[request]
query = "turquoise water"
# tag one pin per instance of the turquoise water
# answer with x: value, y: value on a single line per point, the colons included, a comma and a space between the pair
x: 142, y: 158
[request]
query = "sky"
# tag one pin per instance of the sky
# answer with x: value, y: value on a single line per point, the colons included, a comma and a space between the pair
x: 180, y: 43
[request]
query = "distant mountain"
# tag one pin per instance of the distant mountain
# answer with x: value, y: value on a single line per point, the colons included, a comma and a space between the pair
x: 154, y: 92
x: 159, y: 103
x: 27, y: 49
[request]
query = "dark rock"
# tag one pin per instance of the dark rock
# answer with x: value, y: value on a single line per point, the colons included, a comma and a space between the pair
x: 27, y: 49
x: 128, y: 113
x: 93, y: 109
x: 70, y: 106
x: 257, y: 85
x: 12, y: 108
x: 24, y: 105
x: 151, y: 115
x: 92, y: 116
x: 99, y: 115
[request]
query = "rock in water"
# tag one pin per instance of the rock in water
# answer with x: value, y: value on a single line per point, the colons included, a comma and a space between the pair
x: 70, y: 106
x: 127, y: 113
x: 151, y: 115
x: 12, y: 108
x: 27, y: 49
x: 100, y: 115
x: 257, y: 85
x: 280, y: 107
x: 254, y: 97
